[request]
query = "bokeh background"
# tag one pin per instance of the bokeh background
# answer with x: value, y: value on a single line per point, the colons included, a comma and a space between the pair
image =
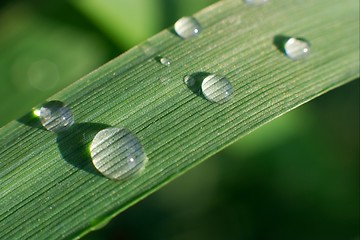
x: 295, y: 178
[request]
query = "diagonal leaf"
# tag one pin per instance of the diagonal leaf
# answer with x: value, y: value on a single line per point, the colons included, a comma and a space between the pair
x: 49, y: 188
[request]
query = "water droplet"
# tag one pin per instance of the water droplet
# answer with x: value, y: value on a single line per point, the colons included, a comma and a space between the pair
x: 187, y: 27
x: 296, y: 48
x: 216, y: 88
x: 165, y: 61
x: 256, y: 2
x: 117, y: 153
x: 55, y: 116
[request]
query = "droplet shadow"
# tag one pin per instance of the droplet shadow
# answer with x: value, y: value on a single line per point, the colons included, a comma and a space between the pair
x: 279, y: 42
x: 74, y: 145
x: 194, y: 81
x: 158, y: 59
x: 172, y: 31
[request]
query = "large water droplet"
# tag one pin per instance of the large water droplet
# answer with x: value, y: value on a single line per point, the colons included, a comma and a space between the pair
x: 216, y: 88
x: 55, y: 116
x: 256, y: 2
x: 117, y: 153
x: 187, y: 27
x: 296, y: 48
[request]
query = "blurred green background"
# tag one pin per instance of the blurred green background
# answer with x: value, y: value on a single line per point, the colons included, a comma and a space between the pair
x: 295, y: 178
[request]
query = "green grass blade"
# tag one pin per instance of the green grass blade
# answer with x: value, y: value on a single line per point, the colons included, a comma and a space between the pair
x: 49, y: 188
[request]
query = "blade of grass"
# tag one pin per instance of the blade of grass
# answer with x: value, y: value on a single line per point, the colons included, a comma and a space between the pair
x: 49, y: 188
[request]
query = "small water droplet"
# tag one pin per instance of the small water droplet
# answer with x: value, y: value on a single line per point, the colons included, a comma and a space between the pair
x: 55, y: 116
x: 256, y: 2
x: 187, y: 27
x: 216, y: 88
x: 117, y: 153
x: 165, y: 61
x: 296, y: 48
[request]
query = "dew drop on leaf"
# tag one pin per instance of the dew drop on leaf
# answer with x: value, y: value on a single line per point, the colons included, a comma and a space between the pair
x: 296, y: 48
x: 117, y: 153
x: 55, y: 116
x: 165, y: 61
x: 187, y: 27
x: 217, y: 88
